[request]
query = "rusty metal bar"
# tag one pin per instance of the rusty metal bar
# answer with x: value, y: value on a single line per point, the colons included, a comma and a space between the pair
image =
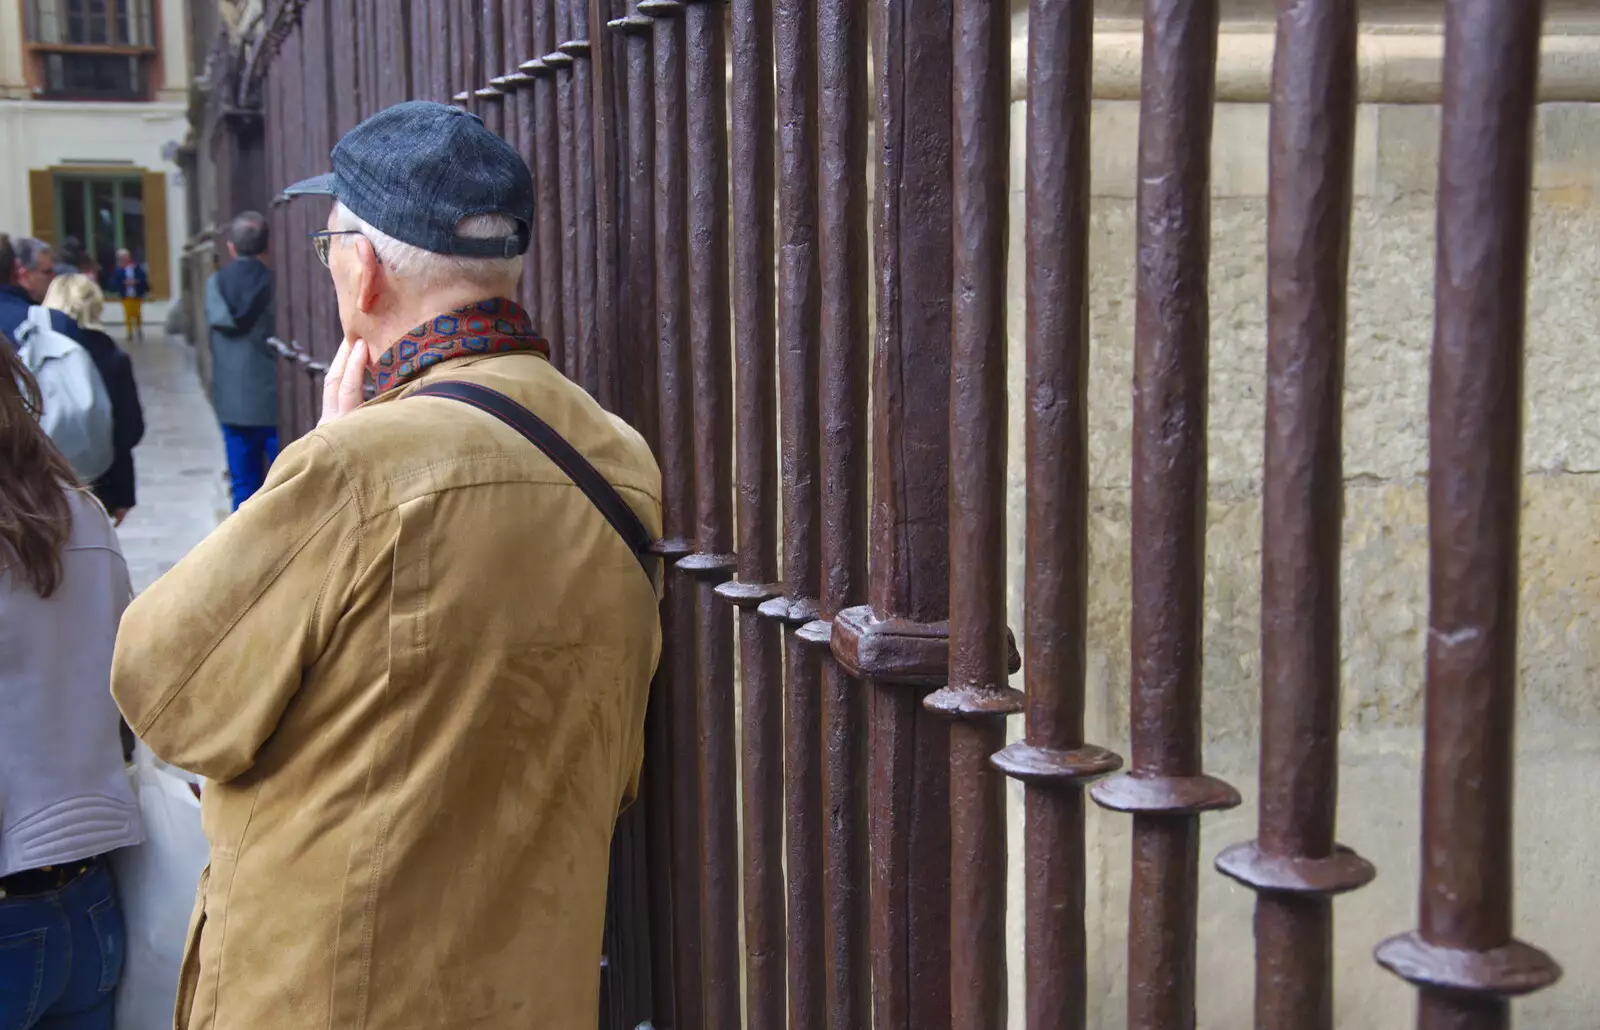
x: 547, y: 179
x: 393, y: 73
x: 459, y: 43
x: 898, y: 644
x: 707, y: 171
x: 843, y: 356
x: 760, y: 646
x: 1053, y: 761
x: 1294, y: 864
x: 1166, y: 788
x: 566, y: 178
x: 441, y: 50
x: 605, y: 50
x: 799, y: 307
x: 520, y: 84
x: 677, y: 472
x: 977, y: 697
x: 1463, y: 957
x: 491, y: 99
x: 576, y: 48
x: 420, y: 48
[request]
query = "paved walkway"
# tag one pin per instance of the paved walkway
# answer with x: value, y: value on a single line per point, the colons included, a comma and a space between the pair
x: 182, y: 480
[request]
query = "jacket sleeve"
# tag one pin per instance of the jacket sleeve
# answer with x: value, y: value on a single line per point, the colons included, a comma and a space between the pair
x: 209, y: 657
x: 218, y: 314
x: 126, y: 411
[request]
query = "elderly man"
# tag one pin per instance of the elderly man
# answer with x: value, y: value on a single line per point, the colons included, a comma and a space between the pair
x: 244, y: 369
x: 27, y: 266
x: 414, y: 667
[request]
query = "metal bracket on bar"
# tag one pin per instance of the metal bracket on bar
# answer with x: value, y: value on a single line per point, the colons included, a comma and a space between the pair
x: 673, y: 550
x: 575, y: 48
x: 1342, y: 871
x: 462, y: 97
x: 1152, y: 794
x: 1032, y: 763
x: 661, y: 8
x: 536, y: 68
x: 1505, y: 972
x: 915, y: 654
x: 709, y: 568
x: 791, y: 611
x: 818, y: 633
x: 489, y: 93
x: 556, y: 60
x: 748, y: 596
x: 632, y: 25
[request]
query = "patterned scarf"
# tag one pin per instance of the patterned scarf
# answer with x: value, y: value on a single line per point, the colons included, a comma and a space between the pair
x: 495, y: 326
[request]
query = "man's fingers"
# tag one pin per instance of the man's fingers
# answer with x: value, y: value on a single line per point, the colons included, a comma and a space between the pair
x: 354, y: 379
x: 331, y: 381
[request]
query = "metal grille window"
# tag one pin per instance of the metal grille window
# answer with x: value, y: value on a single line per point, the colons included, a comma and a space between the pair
x: 92, y: 49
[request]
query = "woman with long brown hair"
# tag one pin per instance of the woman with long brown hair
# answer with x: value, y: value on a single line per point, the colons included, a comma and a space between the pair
x: 65, y: 800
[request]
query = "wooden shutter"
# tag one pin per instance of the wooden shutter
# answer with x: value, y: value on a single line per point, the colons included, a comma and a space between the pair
x: 42, y: 198
x: 157, y: 253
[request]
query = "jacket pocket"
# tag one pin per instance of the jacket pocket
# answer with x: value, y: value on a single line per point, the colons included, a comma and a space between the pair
x: 189, y: 968
x: 21, y: 978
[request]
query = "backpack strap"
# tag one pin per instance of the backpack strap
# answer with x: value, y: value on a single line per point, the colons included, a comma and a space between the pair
x: 585, y: 476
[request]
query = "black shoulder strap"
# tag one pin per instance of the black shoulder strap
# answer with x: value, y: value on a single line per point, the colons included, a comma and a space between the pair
x: 601, y: 493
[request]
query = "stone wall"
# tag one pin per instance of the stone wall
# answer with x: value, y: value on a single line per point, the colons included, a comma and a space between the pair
x: 1385, y: 536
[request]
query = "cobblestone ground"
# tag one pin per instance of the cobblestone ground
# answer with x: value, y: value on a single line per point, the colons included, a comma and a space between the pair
x: 182, y: 492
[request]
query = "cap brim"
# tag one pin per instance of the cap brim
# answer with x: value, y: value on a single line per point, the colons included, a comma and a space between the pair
x: 326, y: 185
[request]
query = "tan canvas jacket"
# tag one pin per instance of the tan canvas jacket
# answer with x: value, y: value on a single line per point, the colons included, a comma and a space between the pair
x: 415, y: 667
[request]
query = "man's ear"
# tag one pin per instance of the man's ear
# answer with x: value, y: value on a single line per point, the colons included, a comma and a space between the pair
x: 369, y: 284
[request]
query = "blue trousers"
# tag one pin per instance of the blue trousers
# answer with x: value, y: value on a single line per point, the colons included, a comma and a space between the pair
x: 251, y: 450
x: 61, y: 956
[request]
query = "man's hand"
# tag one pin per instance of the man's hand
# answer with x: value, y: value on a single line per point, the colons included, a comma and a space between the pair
x: 118, y: 514
x: 342, y: 387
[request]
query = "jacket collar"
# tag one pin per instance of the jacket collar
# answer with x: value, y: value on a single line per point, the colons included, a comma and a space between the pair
x: 494, y: 326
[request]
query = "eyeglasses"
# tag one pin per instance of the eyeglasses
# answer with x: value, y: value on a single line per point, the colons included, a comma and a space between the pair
x: 322, y: 240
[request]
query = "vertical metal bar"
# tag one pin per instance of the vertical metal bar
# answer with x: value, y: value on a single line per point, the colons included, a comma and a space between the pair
x: 677, y: 472
x: 440, y: 49
x: 1166, y: 788
x: 799, y: 299
x: 1053, y: 761
x: 843, y: 356
x: 760, y: 646
x: 908, y: 779
x: 547, y: 207
x: 491, y: 100
x: 394, y: 57
x: 344, y: 82
x: 519, y: 45
x: 978, y: 697
x: 607, y: 128
x: 566, y: 178
x: 460, y: 42
x: 707, y: 171
x: 576, y: 47
x: 1463, y: 957
x: 419, y: 48
x: 321, y: 131
x: 1294, y: 864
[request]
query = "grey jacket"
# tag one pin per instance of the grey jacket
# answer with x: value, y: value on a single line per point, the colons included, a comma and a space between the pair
x: 64, y: 792
x: 244, y: 370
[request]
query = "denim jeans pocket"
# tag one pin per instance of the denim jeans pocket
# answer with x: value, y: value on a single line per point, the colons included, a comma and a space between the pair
x: 21, y: 978
x: 105, y: 916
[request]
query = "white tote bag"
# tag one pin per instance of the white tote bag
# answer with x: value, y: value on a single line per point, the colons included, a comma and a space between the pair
x: 156, y: 881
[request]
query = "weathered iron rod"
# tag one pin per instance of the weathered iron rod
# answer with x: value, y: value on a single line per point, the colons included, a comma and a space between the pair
x: 640, y: 275
x: 490, y: 102
x: 1053, y: 760
x: 576, y: 47
x: 547, y: 180
x: 566, y: 178
x: 713, y: 561
x: 604, y: 50
x: 760, y: 644
x: 1463, y: 957
x: 908, y: 778
x: 799, y: 299
x: 843, y: 357
x: 440, y: 51
x: 977, y: 696
x: 1166, y: 788
x: 393, y: 54
x: 1294, y: 864
x: 674, y: 451
x: 419, y: 50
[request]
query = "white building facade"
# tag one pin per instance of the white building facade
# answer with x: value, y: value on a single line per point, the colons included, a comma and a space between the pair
x: 93, y: 103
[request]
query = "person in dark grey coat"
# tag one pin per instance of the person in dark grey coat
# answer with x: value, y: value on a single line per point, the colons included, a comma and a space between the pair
x: 244, y: 369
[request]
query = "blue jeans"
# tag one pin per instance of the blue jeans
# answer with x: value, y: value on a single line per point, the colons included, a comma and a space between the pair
x: 61, y: 955
x: 251, y: 450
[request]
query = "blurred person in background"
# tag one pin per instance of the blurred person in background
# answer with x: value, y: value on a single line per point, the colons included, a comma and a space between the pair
x: 133, y: 285
x: 67, y: 799
x: 77, y: 295
x: 244, y: 369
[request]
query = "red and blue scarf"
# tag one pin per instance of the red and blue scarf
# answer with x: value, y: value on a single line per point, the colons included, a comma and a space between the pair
x: 496, y: 326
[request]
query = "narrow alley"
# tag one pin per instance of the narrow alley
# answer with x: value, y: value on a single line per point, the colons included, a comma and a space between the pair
x: 182, y: 489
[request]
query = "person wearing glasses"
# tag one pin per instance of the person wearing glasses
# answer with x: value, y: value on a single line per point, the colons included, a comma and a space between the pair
x: 414, y: 667
x: 244, y: 369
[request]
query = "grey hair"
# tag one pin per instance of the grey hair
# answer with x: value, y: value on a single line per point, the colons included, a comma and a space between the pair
x: 248, y: 233
x: 30, y: 250
x: 424, y: 269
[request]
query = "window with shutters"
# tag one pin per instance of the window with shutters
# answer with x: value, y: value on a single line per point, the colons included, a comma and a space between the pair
x: 92, y: 49
x: 106, y: 210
